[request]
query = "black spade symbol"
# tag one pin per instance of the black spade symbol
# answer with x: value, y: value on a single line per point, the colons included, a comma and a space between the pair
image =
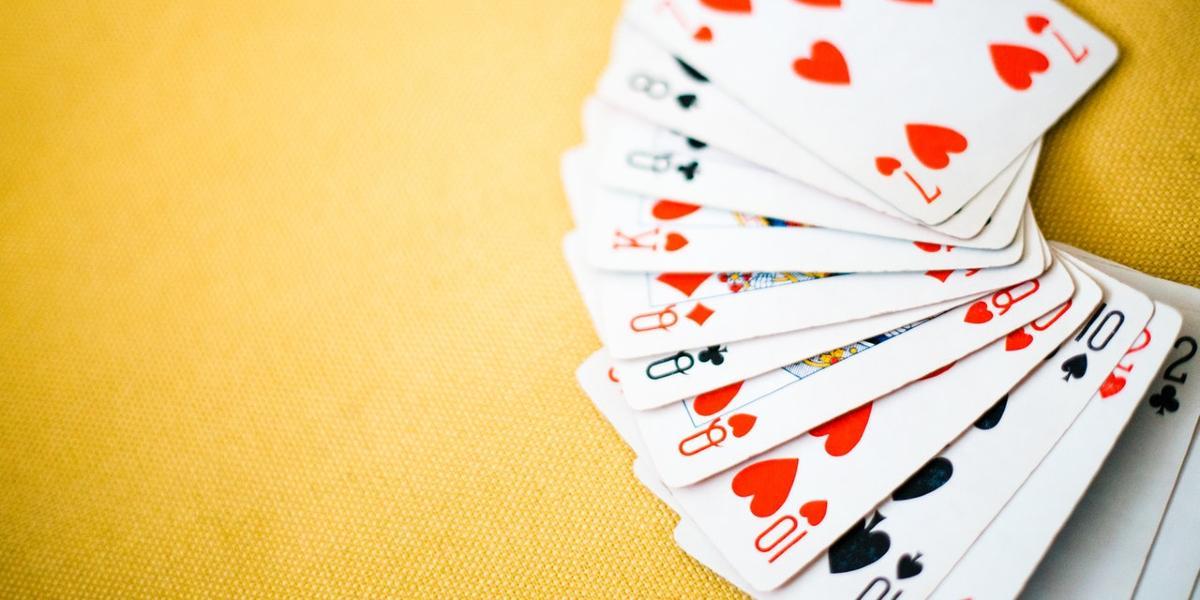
x: 1164, y: 400
x: 859, y: 547
x: 1075, y: 367
x: 992, y: 417
x: 932, y: 476
x: 691, y: 71
x: 909, y: 566
x: 686, y: 100
x: 697, y: 144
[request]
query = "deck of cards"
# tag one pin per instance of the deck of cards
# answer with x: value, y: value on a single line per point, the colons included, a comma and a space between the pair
x: 834, y: 335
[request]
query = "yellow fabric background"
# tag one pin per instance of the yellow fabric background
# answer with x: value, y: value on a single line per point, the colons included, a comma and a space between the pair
x: 282, y: 308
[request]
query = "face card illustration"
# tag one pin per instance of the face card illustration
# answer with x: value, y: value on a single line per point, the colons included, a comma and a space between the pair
x: 716, y: 430
x: 655, y: 381
x: 658, y: 313
x: 969, y: 84
x: 635, y: 156
x: 658, y: 380
x: 639, y: 80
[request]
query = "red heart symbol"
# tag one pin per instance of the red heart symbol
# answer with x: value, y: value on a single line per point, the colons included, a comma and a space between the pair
x: 845, y: 431
x: 675, y: 242
x: 932, y: 144
x: 711, y: 403
x: 741, y: 424
x: 667, y: 210
x: 821, y: 2
x: 814, y: 511
x: 928, y: 247
x: 978, y: 313
x: 686, y: 283
x: 740, y: 6
x: 1112, y: 385
x: 1036, y: 23
x: 886, y: 165
x: 704, y: 34
x: 1016, y: 64
x: 769, y: 482
x: 827, y: 65
x: 1017, y: 340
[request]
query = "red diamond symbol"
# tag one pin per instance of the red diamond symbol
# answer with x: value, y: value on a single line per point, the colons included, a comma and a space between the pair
x: 700, y: 313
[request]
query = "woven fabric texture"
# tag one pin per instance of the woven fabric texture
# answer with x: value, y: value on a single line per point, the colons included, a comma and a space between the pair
x: 283, y: 313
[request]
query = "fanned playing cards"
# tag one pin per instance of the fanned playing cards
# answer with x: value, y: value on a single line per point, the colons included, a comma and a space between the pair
x: 834, y: 334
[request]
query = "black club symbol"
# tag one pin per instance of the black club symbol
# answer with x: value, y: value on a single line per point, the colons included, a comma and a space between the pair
x: 712, y: 354
x: 688, y: 170
x: 1164, y: 400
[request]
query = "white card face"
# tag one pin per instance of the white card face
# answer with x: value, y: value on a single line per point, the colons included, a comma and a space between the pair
x: 658, y: 313
x: 1103, y: 546
x: 633, y: 155
x: 1173, y: 563
x: 707, y: 434
x: 600, y: 383
x: 772, y: 516
x: 647, y: 81
x: 643, y: 469
x: 1175, y: 294
x: 691, y: 540
x: 658, y: 380
x: 968, y: 85
x: 689, y: 238
x: 1000, y: 562
x: 908, y: 543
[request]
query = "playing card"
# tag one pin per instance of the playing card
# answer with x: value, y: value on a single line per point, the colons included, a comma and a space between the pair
x: 908, y: 543
x: 968, y: 85
x: 1173, y: 563
x: 692, y: 541
x: 1103, y: 546
x: 657, y: 313
x: 800, y: 498
x: 1000, y: 562
x: 657, y: 380
x: 693, y: 239
x: 633, y: 155
x: 647, y: 81
x: 716, y: 430
x: 603, y: 387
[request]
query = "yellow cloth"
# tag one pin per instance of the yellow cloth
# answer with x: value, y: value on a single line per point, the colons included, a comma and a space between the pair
x: 282, y: 308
